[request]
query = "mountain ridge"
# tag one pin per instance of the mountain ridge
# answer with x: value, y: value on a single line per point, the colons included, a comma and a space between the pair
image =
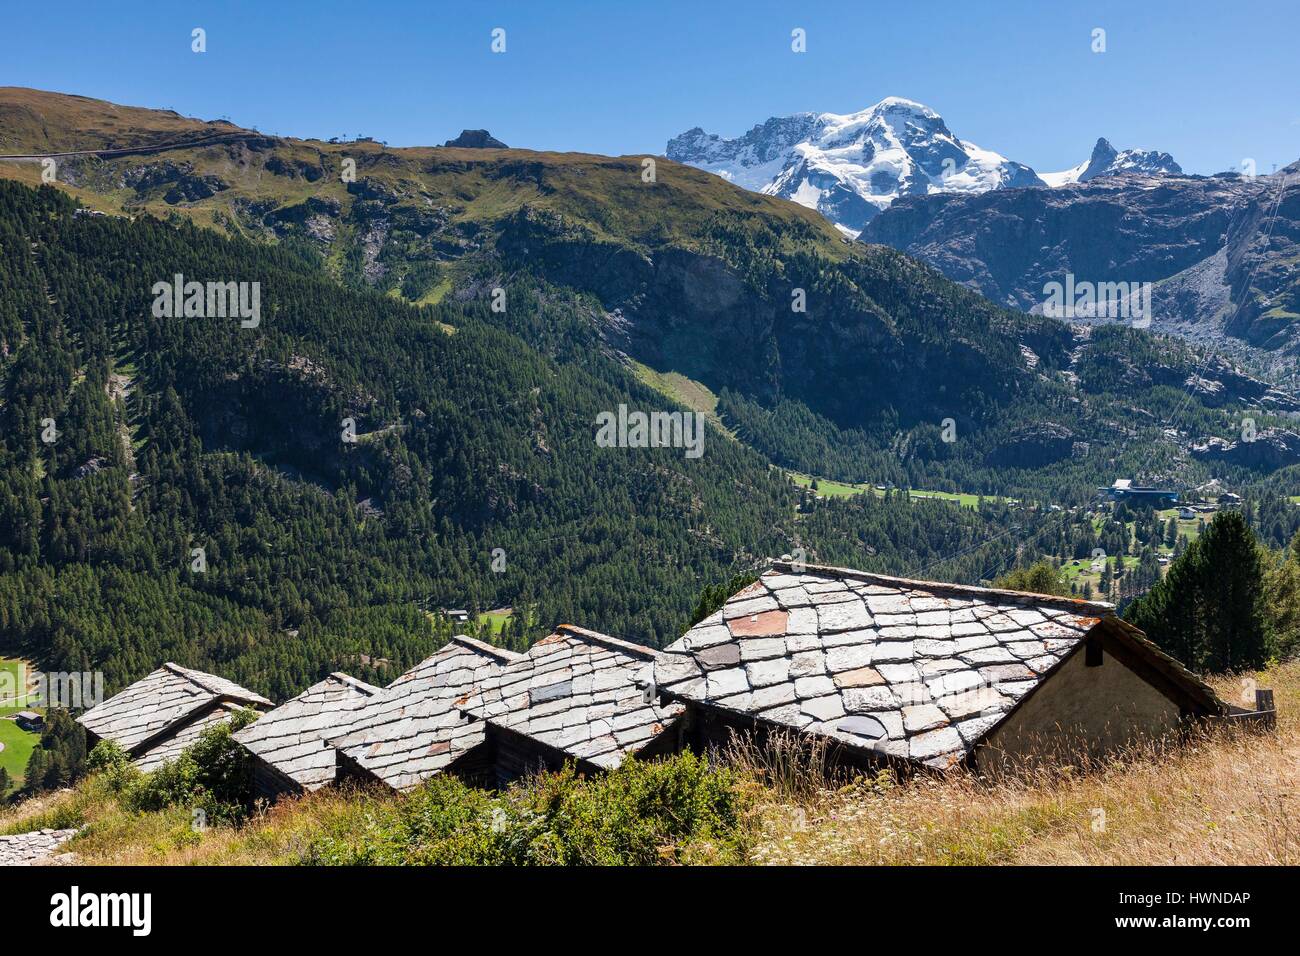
x: 690, y: 275
x: 1221, y: 252
x: 1106, y: 160
x: 850, y: 167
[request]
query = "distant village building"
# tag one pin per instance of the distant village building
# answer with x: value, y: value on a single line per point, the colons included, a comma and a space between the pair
x: 29, y: 720
x: 894, y: 671
x: 1123, y: 489
x: 290, y: 755
x: 155, y: 718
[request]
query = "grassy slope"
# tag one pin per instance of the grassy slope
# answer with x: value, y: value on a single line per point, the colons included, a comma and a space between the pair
x: 1225, y: 799
x: 840, y: 489
x: 1230, y: 799
x: 18, y: 743
x: 37, y: 120
x: 605, y: 193
x: 685, y: 391
x: 16, y: 671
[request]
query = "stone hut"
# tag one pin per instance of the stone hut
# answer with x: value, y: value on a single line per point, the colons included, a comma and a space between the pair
x: 290, y: 755
x: 890, y: 670
x: 160, y: 715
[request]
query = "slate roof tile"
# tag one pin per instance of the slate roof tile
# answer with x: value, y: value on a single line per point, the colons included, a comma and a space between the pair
x: 824, y: 708
x: 791, y: 598
x: 291, y: 738
x: 610, y: 716
x: 759, y: 625
x: 919, y: 717
x: 398, y: 735
x: 921, y: 659
x: 755, y: 605
x: 765, y: 673
x: 159, y: 704
x: 858, y: 677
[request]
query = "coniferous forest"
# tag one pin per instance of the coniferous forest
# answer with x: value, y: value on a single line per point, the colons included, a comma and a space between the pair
x: 279, y: 501
x: 181, y: 488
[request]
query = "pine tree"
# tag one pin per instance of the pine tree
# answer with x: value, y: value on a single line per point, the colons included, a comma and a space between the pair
x: 1209, y: 611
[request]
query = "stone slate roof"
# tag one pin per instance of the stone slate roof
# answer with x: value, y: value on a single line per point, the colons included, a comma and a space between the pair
x: 169, y: 746
x: 585, y: 694
x: 412, y: 729
x: 155, y: 704
x: 291, y: 738
x: 907, y: 669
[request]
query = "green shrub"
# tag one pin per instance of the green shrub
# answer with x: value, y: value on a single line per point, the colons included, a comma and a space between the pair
x: 1041, y: 578
x: 214, y: 774
x: 679, y: 810
x: 110, y: 761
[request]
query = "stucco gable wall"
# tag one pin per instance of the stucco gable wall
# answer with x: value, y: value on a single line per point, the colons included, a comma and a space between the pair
x: 1079, y: 709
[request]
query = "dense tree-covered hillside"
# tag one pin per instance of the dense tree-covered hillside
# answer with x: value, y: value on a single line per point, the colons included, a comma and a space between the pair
x: 176, y: 434
x: 831, y: 357
x: 410, y: 424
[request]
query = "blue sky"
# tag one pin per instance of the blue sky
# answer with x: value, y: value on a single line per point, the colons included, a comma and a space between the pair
x: 1211, y: 83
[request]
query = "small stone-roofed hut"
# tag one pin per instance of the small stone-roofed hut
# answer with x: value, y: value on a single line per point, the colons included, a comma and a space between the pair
x: 923, y: 673
x: 155, y: 718
x: 412, y: 729
x: 490, y: 716
x: 290, y: 755
x: 577, y: 695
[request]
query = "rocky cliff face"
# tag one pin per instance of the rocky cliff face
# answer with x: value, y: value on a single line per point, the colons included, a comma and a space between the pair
x: 476, y: 139
x: 1222, y: 252
x: 1268, y: 450
x: 700, y: 314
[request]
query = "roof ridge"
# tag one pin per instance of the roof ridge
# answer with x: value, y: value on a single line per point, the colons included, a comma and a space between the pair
x: 188, y: 674
x: 615, y: 643
x: 356, y: 682
x: 193, y: 676
x: 482, y: 647
x: 1098, y: 608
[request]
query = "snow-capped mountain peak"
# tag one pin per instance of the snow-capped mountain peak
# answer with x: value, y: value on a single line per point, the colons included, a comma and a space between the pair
x: 1108, y: 161
x: 851, y: 166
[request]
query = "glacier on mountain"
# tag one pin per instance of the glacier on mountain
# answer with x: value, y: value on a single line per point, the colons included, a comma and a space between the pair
x: 850, y: 167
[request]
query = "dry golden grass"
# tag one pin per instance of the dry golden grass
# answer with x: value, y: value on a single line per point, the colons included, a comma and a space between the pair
x: 275, y: 837
x: 114, y: 836
x: 1227, y: 797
